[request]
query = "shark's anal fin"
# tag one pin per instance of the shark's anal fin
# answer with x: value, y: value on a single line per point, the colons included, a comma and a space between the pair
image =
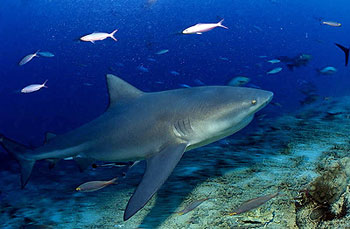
x: 159, y: 167
x: 119, y: 90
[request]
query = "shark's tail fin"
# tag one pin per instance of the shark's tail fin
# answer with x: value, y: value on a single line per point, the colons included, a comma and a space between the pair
x: 19, y: 151
x: 346, y: 51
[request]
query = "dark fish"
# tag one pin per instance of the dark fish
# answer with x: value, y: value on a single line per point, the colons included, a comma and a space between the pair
x: 253, y: 203
x: 295, y: 62
x: 346, y: 51
x: 192, y: 206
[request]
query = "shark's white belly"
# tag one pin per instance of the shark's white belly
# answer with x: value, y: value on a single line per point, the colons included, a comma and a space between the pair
x: 215, y: 132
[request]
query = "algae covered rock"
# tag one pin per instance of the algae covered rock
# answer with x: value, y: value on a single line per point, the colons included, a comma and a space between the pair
x: 325, y: 198
x: 327, y: 188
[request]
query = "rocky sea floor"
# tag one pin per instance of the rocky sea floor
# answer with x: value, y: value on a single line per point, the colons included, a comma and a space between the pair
x: 305, y: 156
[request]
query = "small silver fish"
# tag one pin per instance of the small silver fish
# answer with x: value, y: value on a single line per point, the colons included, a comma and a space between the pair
x: 203, y: 27
x: 161, y: 52
x: 34, y: 87
x: 28, y: 58
x: 253, y: 203
x: 98, y: 36
x: 184, y: 85
x: 92, y: 186
x: 142, y: 68
x: 175, y: 73
x: 46, y: 54
x: 331, y: 23
x: 192, y: 206
x: 274, y: 71
x: 199, y: 82
x: 327, y: 70
x: 151, y: 59
x: 274, y: 61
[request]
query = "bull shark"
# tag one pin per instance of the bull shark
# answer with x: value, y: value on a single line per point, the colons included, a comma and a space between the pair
x: 157, y: 127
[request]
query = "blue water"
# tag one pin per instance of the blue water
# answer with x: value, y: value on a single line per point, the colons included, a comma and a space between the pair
x: 27, y: 26
x: 77, y: 92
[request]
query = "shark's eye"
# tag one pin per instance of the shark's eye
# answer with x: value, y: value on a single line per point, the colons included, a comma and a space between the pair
x: 254, y: 101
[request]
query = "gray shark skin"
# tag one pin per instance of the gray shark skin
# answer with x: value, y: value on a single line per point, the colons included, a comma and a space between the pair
x: 157, y: 127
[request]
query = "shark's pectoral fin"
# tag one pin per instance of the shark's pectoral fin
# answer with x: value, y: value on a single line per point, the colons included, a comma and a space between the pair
x: 83, y: 162
x: 158, y: 170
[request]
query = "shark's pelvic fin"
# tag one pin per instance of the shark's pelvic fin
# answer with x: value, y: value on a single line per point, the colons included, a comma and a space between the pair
x: 83, y: 162
x: 19, y: 150
x: 52, y: 162
x: 120, y: 90
x: 158, y: 170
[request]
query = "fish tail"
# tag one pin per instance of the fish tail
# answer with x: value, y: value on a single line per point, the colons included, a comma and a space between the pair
x: 44, y: 84
x: 220, y: 24
x: 112, y: 34
x: 114, y: 180
x: 19, y: 150
x: 36, y: 53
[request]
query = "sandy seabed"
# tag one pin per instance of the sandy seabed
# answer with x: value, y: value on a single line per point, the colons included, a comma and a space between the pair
x: 304, y: 155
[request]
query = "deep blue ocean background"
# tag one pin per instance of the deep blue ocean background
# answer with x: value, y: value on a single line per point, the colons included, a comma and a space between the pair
x: 76, y: 84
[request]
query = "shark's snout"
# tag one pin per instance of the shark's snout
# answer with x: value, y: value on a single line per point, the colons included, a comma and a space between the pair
x: 269, y: 96
x: 264, y: 98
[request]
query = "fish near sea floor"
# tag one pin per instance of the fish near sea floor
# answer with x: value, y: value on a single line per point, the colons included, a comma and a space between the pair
x: 92, y: 186
x: 288, y: 153
x: 252, y: 204
x: 191, y: 206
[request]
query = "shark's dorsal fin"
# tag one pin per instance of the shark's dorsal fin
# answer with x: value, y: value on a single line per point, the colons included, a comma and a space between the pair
x: 49, y: 136
x: 119, y: 90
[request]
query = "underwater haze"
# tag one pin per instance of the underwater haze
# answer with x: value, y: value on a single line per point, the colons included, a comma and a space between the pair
x: 289, y: 168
